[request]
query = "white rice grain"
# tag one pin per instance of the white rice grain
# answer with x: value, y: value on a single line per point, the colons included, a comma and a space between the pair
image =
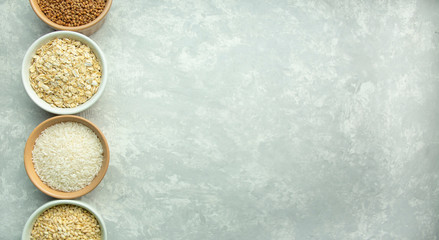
x: 67, y: 156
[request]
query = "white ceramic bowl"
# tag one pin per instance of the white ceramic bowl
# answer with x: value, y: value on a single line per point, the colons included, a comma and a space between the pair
x: 47, y: 38
x: 30, y: 222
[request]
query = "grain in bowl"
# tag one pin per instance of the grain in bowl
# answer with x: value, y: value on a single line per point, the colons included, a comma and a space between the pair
x: 69, y: 218
x: 67, y: 156
x: 66, y: 221
x: 31, y: 169
x: 65, y: 73
x: 52, y: 108
x: 83, y: 16
x: 72, y: 13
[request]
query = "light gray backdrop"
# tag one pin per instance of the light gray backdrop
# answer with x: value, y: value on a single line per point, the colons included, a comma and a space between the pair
x: 249, y: 119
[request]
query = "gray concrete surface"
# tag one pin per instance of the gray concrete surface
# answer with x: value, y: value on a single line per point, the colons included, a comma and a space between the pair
x: 305, y: 119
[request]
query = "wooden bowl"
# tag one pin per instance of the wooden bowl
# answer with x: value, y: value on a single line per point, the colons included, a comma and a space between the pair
x: 86, y: 29
x: 29, y: 166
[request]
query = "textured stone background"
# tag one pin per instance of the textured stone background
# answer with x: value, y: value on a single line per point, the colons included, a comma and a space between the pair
x: 249, y: 119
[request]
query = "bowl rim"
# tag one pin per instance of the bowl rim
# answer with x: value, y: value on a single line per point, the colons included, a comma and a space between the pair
x: 44, y: 18
x: 31, y: 220
x: 47, y: 38
x: 29, y: 166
